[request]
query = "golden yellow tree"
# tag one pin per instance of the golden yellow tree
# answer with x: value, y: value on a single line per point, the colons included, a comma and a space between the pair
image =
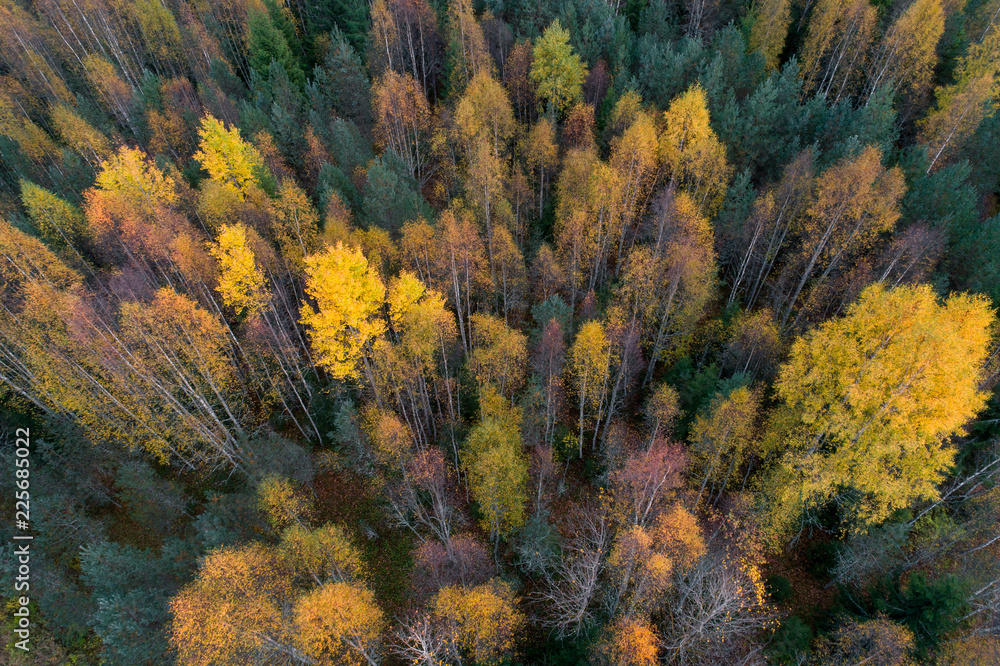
x: 556, y: 70
x: 667, y: 285
x: 295, y: 225
x: 283, y: 502
x: 855, y: 200
x: 644, y: 561
x: 962, y: 106
x: 137, y: 179
x: 590, y: 367
x: 229, y: 160
x: 31, y: 139
x: 324, y: 555
x: 722, y: 436
x: 770, y: 29
x: 241, y: 282
x: 59, y: 222
x: 25, y: 259
x: 114, y: 93
x: 482, y: 622
x: 499, y: 354
x: 871, y: 398
x: 906, y: 56
x: 634, y: 157
x: 188, y: 400
x: 497, y: 469
x: 472, y: 56
x: 542, y: 154
x: 403, y: 121
x: 302, y: 599
x: 339, y: 623
x: 692, y: 154
x: 348, y: 296
x: 79, y: 135
x: 629, y: 642
x: 837, y: 43
x: 484, y: 112
x: 234, y: 610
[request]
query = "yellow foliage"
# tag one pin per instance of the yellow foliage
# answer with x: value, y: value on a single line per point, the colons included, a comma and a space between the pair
x: 404, y: 294
x: 245, y: 605
x: 77, y: 133
x: 234, y: 610
x: 230, y: 161
x: 25, y: 259
x: 590, y: 368
x: 159, y: 29
x: 296, y: 224
x: 556, y: 69
x: 59, y: 222
x: 880, y: 389
x: 323, y: 555
x: 282, y: 502
x: 241, y: 282
x: 137, y: 179
x: 629, y: 642
x: 30, y: 138
x: 390, y: 438
x: 906, y: 56
x: 679, y: 535
x: 770, y: 29
x: 339, y: 623
x: 496, y: 465
x: 484, y: 112
x: 484, y: 620
x: 499, y: 355
x: 692, y: 153
x: 348, y: 295
x: 114, y: 93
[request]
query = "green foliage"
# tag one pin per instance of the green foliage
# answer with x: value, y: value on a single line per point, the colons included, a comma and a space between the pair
x: 696, y: 386
x: 340, y: 83
x: 347, y: 16
x: 148, y: 498
x: 599, y: 32
x: 537, y: 545
x: 129, y: 626
x: 850, y: 128
x: 768, y: 128
x: 780, y: 588
x: 733, y: 70
x: 665, y: 70
x: 946, y: 199
x: 268, y: 42
x: 131, y: 588
x: 556, y: 69
x: 227, y: 519
x: 554, y: 307
x: 270, y: 453
x: 791, y: 641
x: 390, y: 197
x: 929, y: 607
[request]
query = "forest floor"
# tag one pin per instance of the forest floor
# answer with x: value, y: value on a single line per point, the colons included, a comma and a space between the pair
x: 350, y: 499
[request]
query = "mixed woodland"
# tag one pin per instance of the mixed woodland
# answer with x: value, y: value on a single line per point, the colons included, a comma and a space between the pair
x: 556, y: 332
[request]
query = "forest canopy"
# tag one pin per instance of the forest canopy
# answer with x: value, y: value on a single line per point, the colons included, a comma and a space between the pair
x: 502, y: 332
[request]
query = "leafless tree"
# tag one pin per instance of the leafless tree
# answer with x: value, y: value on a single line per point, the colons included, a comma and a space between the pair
x: 718, y: 610
x: 569, y: 592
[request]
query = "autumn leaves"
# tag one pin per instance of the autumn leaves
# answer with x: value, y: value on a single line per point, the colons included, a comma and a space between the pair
x: 874, y: 394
